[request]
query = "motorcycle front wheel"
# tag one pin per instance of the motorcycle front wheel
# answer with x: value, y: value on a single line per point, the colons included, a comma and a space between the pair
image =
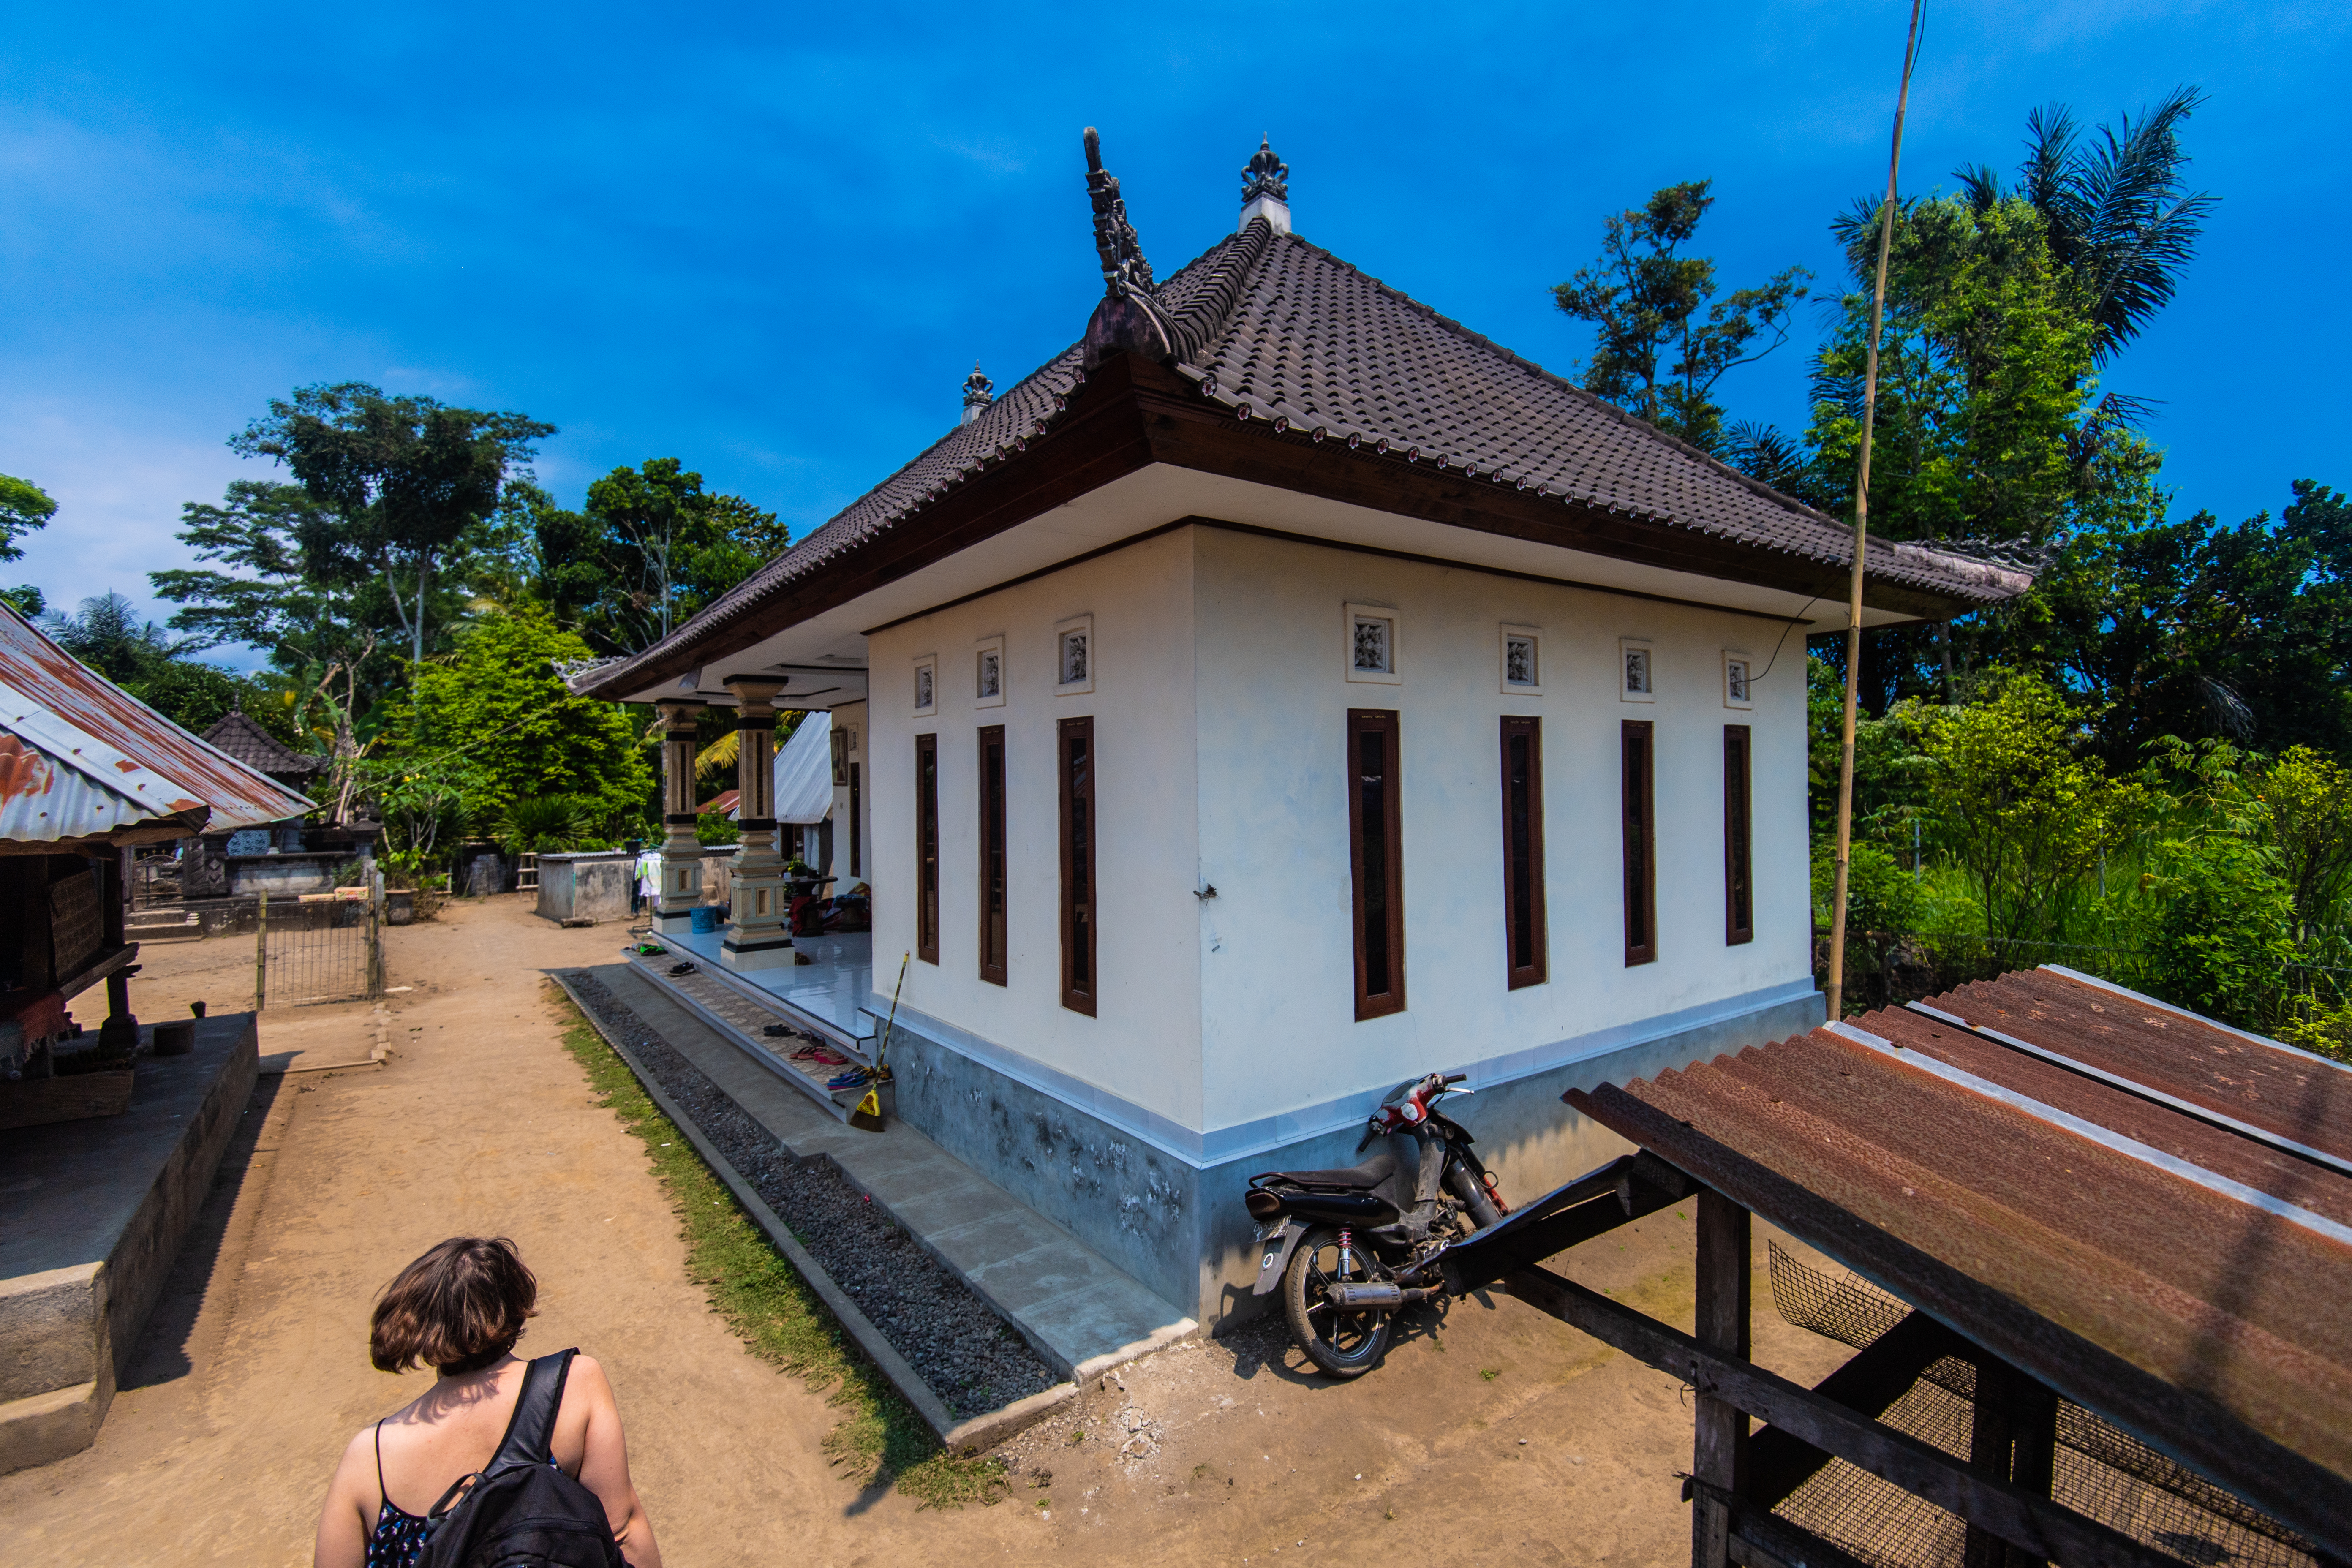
x: 1344, y: 1345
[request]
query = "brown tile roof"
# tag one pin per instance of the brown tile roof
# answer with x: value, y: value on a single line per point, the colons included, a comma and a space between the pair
x: 257, y: 748
x: 1301, y: 340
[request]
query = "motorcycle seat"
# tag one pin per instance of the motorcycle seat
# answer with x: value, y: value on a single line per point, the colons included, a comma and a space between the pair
x: 1355, y: 1179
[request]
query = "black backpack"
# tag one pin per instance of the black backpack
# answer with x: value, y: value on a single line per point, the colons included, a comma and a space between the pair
x: 519, y: 1511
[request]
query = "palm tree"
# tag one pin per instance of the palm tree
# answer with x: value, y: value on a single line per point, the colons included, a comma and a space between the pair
x: 2118, y: 218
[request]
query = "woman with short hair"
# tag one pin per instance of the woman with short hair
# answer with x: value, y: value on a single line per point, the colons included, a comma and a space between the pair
x: 460, y: 1309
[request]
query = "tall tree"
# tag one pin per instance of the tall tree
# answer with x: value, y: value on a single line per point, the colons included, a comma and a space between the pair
x: 1661, y: 338
x: 649, y: 549
x: 2120, y: 220
x: 24, y: 507
x: 324, y: 634
x: 401, y: 482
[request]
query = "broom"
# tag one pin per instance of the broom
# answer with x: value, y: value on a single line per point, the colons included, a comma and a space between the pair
x: 867, y: 1117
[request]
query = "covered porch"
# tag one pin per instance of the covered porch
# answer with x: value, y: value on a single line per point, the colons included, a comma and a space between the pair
x: 831, y: 995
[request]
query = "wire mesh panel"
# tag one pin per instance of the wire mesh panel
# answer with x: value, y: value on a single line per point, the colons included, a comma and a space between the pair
x: 325, y: 950
x: 2101, y: 1471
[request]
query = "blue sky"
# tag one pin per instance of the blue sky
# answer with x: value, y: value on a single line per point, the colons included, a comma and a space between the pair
x: 772, y: 241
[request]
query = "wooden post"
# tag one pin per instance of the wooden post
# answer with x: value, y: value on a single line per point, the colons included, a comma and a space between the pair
x: 1719, y: 1429
x: 2012, y: 1436
x: 262, y: 955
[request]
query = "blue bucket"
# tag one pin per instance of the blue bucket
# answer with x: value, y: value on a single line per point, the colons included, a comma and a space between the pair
x: 705, y: 918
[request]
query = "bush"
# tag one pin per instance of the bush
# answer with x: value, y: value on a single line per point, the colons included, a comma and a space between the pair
x: 713, y: 827
x: 1880, y: 892
x: 2224, y: 930
x: 546, y: 823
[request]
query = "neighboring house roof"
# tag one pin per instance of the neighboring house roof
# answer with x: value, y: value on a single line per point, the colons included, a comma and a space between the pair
x: 805, y: 771
x: 237, y: 734
x: 84, y: 764
x: 723, y: 801
x: 2143, y: 1209
x: 1301, y: 348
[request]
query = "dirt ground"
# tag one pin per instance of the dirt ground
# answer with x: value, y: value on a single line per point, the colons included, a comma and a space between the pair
x: 1495, y: 1435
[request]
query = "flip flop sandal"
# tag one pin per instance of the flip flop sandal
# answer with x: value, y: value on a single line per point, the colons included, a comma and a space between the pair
x: 854, y: 1078
x: 681, y: 969
x: 777, y: 1031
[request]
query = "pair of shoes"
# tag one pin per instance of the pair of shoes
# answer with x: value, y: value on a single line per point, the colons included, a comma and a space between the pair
x: 651, y: 950
x: 854, y: 1078
x: 681, y: 969
x: 777, y: 1031
x: 823, y: 1056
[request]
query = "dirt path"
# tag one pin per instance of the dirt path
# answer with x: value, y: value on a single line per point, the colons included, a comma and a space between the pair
x: 1497, y: 1436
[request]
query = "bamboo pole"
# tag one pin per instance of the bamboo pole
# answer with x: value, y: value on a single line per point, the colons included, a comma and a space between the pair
x: 1861, y: 535
x: 262, y: 955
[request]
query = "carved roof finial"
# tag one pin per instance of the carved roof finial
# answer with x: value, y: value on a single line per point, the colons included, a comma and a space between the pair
x: 1266, y: 175
x: 979, y: 392
x: 1125, y: 271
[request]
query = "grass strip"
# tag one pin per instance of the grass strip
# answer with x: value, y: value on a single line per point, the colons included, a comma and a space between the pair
x: 880, y: 1441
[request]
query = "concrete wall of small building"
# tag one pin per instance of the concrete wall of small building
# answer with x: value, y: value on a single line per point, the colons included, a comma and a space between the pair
x: 1142, y: 1045
x: 1276, y: 949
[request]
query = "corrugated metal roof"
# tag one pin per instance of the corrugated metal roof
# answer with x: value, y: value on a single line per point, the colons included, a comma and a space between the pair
x: 2146, y: 1210
x: 81, y: 758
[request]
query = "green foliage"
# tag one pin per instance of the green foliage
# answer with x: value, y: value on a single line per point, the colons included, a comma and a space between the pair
x: 24, y: 599
x: 547, y: 822
x: 498, y: 705
x: 399, y: 487
x: 1881, y: 893
x: 2307, y: 800
x: 879, y: 1441
x: 24, y: 507
x: 1663, y: 340
x: 713, y: 827
x: 2015, y: 803
x: 421, y: 799
x: 2224, y: 930
x: 649, y: 549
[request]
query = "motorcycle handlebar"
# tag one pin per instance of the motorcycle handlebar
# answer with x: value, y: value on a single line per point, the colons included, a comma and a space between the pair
x: 1454, y: 1078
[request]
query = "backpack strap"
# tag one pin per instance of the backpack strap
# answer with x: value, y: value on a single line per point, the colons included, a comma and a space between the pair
x: 530, y: 1432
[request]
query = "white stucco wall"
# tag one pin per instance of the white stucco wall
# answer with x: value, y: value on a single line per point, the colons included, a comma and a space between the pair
x: 1277, y: 1024
x: 1143, y: 1042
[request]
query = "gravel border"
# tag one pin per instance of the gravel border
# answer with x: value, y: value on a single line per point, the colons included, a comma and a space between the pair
x: 955, y: 1341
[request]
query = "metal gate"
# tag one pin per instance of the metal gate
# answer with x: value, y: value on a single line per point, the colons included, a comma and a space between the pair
x: 325, y: 948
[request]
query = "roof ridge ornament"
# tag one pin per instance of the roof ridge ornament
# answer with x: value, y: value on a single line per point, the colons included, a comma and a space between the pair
x: 1129, y: 318
x: 1266, y: 189
x: 979, y: 392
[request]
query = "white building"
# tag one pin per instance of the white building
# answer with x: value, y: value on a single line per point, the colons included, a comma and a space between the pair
x: 1282, y: 693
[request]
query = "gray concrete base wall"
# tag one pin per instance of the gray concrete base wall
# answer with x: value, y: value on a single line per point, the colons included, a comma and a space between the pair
x: 95, y: 1213
x: 1179, y: 1227
x: 586, y: 887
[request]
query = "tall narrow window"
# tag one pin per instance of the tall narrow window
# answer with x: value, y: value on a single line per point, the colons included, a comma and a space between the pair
x: 1076, y: 766
x: 991, y: 853
x: 1739, y: 869
x: 1641, y: 843
x: 1523, y: 855
x: 927, y: 848
x: 1375, y: 851
x: 856, y: 824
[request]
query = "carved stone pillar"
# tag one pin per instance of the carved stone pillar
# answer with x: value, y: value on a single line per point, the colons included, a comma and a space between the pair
x: 758, y: 933
x: 681, y: 852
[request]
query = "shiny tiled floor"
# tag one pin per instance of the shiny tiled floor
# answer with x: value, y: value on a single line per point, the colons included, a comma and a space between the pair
x: 834, y: 987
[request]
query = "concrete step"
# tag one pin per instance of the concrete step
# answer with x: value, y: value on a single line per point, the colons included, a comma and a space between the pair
x: 742, y: 1016
x: 1079, y: 1310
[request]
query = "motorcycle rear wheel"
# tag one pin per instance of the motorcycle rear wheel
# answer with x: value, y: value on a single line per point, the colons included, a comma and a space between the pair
x: 1343, y: 1344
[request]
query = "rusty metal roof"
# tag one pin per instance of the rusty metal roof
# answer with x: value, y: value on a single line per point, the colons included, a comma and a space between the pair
x: 2148, y: 1211
x: 81, y: 759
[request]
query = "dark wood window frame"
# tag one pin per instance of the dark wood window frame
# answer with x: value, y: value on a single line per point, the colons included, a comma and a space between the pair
x: 1375, y: 860
x: 927, y: 848
x: 1738, y: 838
x: 996, y: 934
x: 1075, y: 765
x: 1636, y: 776
x: 1525, y: 953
